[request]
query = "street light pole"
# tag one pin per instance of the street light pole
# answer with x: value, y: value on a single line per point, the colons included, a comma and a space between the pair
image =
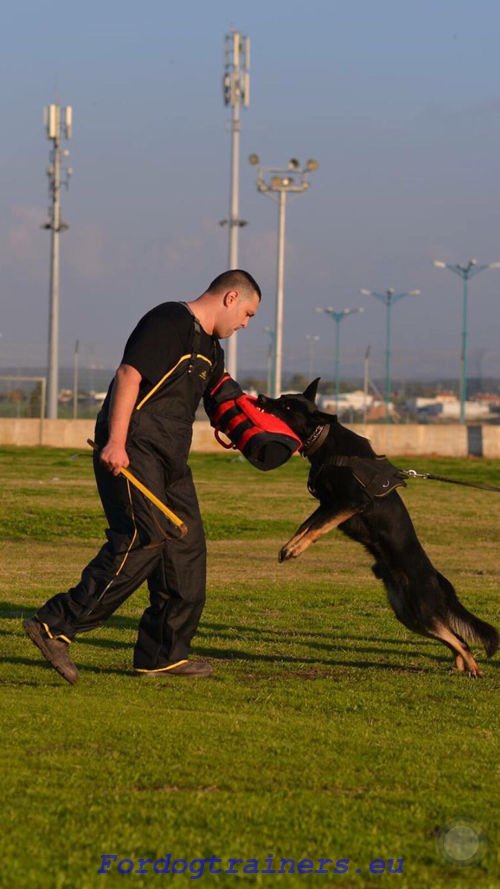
x: 236, y: 86
x: 58, y: 122
x: 464, y: 272
x: 388, y: 297
x: 366, y: 380
x: 338, y: 317
x: 279, y: 182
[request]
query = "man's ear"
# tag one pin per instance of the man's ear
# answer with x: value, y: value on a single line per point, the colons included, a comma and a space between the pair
x: 230, y: 296
x: 310, y: 392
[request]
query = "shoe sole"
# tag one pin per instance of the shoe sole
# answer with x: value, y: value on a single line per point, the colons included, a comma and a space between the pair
x: 36, y: 637
x: 166, y: 674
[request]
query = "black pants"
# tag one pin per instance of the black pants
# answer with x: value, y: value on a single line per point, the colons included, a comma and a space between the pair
x: 137, y: 550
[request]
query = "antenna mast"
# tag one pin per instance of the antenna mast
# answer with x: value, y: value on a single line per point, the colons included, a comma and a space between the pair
x: 236, y: 87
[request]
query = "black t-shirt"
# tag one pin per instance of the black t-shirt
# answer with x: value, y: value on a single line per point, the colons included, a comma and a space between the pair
x: 162, y: 337
x: 160, y: 346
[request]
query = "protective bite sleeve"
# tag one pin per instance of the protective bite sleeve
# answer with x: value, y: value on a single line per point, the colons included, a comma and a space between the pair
x: 266, y: 441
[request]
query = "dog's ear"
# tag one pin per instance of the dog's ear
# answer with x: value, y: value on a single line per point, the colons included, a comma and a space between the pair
x: 310, y: 392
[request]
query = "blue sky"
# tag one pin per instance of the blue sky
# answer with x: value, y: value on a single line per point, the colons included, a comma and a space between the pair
x: 398, y: 101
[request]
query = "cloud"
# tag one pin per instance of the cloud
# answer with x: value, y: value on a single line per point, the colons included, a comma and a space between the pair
x: 87, y: 249
x: 87, y: 253
x: 25, y: 244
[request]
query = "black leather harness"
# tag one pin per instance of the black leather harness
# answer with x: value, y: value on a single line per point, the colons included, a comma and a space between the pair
x: 376, y: 475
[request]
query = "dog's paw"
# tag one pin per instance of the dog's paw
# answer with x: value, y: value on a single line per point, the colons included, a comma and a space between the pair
x: 475, y: 674
x: 286, y: 553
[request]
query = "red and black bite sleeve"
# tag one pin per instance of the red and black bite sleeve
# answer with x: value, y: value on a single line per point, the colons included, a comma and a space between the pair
x: 266, y: 441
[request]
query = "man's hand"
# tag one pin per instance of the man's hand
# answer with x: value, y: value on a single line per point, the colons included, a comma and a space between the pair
x: 114, y: 457
x: 125, y: 391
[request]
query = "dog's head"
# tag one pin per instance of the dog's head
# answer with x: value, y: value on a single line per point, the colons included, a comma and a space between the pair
x: 297, y: 410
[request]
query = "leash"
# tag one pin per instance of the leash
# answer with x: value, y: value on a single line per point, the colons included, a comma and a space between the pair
x: 179, y: 524
x: 318, y: 436
x: 371, y: 472
x: 412, y: 473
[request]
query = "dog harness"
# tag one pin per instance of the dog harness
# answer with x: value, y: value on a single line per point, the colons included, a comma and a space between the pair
x: 376, y: 475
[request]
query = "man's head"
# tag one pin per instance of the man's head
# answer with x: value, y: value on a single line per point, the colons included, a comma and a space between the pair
x: 237, y: 298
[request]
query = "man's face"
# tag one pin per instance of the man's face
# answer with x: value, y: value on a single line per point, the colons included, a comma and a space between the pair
x: 235, y: 313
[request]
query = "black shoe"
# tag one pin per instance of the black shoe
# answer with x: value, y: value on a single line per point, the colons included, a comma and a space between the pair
x: 55, y: 650
x: 187, y: 668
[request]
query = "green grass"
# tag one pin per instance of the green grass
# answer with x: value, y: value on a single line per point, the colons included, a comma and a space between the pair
x: 327, y: 730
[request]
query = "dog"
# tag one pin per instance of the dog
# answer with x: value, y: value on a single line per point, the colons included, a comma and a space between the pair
x: 357, y: 493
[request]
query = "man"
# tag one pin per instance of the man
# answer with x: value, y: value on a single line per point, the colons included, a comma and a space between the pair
x: 171, y: 360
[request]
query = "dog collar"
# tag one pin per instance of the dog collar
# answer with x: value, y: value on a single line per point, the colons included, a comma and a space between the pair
x: 315, y: 440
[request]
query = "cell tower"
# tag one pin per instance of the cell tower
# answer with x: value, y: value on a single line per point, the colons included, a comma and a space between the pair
x: 58, y: 123
x: 236, y: 87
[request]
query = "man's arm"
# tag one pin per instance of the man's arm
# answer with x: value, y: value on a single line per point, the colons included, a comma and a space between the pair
x: 125, y: 392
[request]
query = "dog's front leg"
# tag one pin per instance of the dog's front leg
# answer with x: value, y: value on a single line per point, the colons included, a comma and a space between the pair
x: 321, y: 521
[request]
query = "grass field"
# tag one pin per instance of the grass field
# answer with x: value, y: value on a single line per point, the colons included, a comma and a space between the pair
x: 328, y: 731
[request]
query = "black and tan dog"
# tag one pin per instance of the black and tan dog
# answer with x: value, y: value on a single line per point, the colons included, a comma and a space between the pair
x: 356, y: 492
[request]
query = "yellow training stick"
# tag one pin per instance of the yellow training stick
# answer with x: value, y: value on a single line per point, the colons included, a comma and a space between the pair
x: 179, y: 524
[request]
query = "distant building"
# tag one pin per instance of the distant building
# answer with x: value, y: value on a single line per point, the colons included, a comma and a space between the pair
x: 446, y: 406
x: 474, y: 410
x: 492, y: 399
x: 378, y: 411
x: 348, y: 401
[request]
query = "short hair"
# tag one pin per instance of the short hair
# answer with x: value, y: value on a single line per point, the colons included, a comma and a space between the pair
x: 235, y: 279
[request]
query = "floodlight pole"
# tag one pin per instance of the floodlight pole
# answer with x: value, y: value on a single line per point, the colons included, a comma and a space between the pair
x: 388, y: 297
x: 280, y: 182
x: 464, y: 272
x: 338, y: 317
x: 236, y: 87
x: 280, y: 294
x: 58, y: 122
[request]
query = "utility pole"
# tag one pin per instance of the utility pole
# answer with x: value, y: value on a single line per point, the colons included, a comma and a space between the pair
x: 58, y: 123
x: 236, y: 86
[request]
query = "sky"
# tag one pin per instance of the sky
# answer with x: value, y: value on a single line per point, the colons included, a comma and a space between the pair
x: 398, y: 101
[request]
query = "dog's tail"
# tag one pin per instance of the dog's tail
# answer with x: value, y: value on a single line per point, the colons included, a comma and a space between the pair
x: 466, y: 624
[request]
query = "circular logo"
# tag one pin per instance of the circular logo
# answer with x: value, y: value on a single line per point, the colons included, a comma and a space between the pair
x: 462, y: 842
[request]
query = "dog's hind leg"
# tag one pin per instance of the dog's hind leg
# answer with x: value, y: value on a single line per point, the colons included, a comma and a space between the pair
x: 464, y: 661
x: 322, y: 520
